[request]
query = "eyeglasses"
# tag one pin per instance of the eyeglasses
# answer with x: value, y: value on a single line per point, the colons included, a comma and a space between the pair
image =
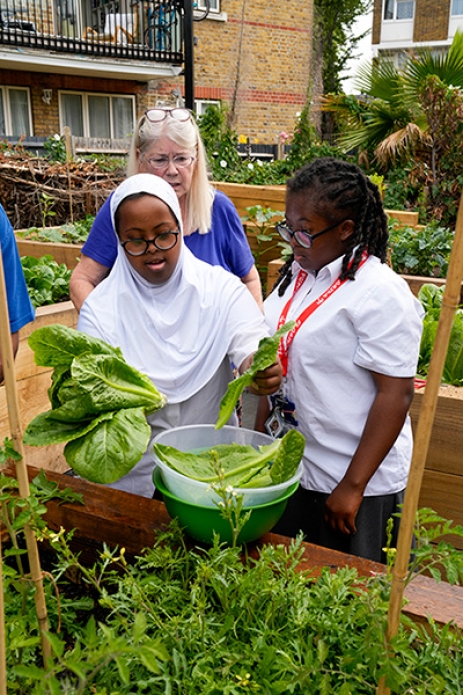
x: 158, y: 115
x: 163, y: 242
x: 180, y: 161
x: 302, y: 237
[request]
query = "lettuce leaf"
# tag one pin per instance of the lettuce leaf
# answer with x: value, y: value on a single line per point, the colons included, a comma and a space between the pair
x: 112, y: 448
x: 431, y: 298
x: 242, y: 465
x: 56, y: 345
x: 99, y: 404
x: 264, y: 357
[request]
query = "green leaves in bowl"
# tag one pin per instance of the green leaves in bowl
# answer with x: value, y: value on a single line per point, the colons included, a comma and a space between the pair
x: 243, y: 466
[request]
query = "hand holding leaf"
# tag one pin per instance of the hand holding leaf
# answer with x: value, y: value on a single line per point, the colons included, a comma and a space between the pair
x: 263, y: 358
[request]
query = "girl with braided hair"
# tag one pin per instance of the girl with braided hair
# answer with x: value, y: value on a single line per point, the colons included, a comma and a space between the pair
x: 349, y: 363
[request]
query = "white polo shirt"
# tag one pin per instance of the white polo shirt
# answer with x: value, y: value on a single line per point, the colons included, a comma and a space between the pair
x: 373, y: 323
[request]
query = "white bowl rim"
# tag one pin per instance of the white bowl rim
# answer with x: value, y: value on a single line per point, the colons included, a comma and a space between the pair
x: 297, y: 476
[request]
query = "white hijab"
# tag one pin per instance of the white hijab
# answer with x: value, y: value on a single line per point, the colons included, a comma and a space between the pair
x: 179, y: 332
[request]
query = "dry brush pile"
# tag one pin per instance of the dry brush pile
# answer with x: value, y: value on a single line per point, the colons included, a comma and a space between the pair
x: 32, y: 187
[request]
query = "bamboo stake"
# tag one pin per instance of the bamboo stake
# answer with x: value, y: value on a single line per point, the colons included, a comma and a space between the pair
x: 2, y: 629
x: 451, y: 300
x: 21, y: 468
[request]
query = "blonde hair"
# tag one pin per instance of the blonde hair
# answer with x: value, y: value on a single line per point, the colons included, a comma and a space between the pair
x: 185, y: 134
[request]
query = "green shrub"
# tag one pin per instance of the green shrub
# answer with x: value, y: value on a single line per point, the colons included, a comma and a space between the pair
x: 47, y: 281
x: 420, y: 251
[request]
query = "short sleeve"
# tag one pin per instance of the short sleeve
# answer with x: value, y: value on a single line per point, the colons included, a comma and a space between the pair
x: 101, y: 245
x: 20, y: 309
x: 227, y: 223
x: 388, y: 323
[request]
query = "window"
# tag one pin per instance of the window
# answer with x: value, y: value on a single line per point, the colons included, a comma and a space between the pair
x: 398, y: 9
x: 15, y: 111
x: 214, y: 5
x: 457, y: 7
x: 97, y: 115
x: 202, y: 104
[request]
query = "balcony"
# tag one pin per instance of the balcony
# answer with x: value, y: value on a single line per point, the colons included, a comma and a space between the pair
x: 119, y: 38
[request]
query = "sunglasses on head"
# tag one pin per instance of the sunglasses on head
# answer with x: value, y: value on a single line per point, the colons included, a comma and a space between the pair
x: 157, y: 115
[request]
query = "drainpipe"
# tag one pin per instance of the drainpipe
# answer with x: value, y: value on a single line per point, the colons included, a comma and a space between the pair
x: 188, y: 48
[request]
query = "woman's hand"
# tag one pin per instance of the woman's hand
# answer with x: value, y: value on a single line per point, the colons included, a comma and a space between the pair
x: 267, y: 381
x: 342, y: 506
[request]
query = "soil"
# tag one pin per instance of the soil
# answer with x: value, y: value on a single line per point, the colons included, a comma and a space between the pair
x: 447, y: 390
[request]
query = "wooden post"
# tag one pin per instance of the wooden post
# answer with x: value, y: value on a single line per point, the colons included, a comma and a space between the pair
x: 68, y: 142
x: 423, y: 430
x: 21, y: 468
x: 2, y: 629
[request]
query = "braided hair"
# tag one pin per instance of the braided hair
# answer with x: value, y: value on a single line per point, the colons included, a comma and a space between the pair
x: 341, y: 187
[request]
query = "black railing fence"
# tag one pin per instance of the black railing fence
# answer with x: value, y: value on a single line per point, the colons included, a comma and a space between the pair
x: 134, y: 29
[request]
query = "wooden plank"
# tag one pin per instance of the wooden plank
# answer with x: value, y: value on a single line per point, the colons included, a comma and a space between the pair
x: 443, y: 492
x: 446, y: 444
x: 69, y: 254
x: 244, y: 195
x: 32, y: 384
x: 124, y: 520
x: 404, y: 216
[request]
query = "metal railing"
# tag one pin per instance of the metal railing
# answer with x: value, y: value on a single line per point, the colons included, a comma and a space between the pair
x: 133, y: 29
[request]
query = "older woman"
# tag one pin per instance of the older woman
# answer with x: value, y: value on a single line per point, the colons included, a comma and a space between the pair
x: 167, y: 143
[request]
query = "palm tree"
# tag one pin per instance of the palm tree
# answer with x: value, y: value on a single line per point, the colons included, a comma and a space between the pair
x: 390, y: 118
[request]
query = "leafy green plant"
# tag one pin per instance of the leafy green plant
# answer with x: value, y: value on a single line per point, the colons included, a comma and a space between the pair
x: 264, y: 357
x: 202, y: 621
x: 47, y: 281
x: 240, y: 465
x: 420, y: 251
x: 431, y: 298
x: 99, y: 404
x: 262, y: 220
x: 55, y: 148
x: 71, y: 233
x: 46, y: 207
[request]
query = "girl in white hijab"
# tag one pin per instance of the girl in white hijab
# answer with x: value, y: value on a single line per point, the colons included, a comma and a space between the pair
x: 177, y: 319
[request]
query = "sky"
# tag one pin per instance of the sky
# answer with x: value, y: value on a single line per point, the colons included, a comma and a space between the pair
x: 364, y: 51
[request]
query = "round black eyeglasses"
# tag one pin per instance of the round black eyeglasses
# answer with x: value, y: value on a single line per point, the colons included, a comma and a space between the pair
x: 163, y: 242
x: 303, y: 238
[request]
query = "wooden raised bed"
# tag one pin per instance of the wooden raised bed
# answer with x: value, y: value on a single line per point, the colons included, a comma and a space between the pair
x: 244, y: 195
x: 442, y: 486
x: 443, y: 477
x: 68, y: 254
x: 33, y: 383
x: 124, y: 520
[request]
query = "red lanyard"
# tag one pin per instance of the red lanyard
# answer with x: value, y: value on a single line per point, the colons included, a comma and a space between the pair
x: 284, y: 345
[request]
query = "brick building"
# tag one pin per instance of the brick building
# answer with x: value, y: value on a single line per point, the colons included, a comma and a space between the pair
x: 401, y: 25
x: 95, y: 65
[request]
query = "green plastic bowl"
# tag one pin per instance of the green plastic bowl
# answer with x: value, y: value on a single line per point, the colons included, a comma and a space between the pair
x: 201, y: 522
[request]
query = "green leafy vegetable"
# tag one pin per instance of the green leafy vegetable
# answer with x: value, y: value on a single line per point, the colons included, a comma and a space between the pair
x: 431, y: 299
x: 99, y: 404
x: 47, y: 281
x: 264, y: 357
x: 242, y: 465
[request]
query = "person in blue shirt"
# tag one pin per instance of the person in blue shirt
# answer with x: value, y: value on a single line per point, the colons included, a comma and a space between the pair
x: 20, y: 309
x: 167, y: 143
